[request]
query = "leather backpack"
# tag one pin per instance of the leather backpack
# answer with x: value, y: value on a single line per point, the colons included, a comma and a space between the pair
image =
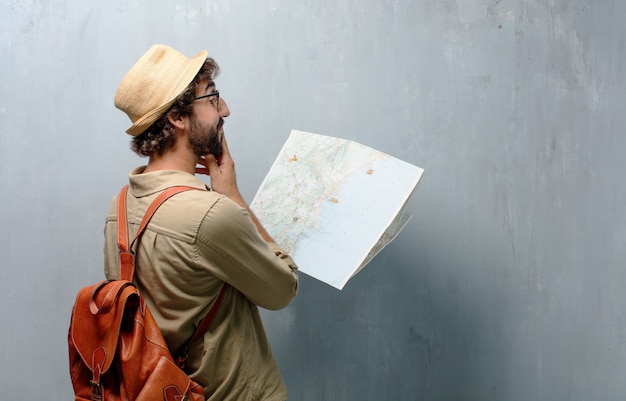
x: 116, y: 350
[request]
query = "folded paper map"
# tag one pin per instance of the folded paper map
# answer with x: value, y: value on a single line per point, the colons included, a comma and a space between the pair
x: 333, y: 204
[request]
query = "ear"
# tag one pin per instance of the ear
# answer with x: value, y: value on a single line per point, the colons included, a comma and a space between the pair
x: 177, y: 120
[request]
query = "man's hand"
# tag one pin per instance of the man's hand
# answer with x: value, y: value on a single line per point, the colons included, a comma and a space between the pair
x: 222, y: 173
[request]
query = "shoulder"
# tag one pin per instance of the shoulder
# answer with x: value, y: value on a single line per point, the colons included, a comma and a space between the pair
x: 186, y: 211
x: 225, y: 212
x: 226, y: 221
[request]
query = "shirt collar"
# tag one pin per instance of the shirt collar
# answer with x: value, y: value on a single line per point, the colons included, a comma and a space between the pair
x: 145, y: 184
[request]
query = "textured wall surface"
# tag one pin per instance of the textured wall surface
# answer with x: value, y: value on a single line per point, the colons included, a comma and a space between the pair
x: 506, y: 285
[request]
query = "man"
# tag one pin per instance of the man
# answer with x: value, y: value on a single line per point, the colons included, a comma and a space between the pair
x: 199, y: 240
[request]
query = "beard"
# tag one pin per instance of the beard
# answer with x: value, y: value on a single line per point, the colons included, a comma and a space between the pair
x: 205, y: 138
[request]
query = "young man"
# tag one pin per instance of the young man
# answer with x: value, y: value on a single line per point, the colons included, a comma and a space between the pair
x: 199, y: 240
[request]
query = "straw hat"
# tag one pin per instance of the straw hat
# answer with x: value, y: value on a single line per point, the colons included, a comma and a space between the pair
x: 153, y: 84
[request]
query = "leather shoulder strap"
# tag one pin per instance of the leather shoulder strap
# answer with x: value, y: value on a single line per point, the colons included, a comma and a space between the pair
x: 127, y: 257
x: 183, y: 352
x: 126, y: 254
x: 208, y: 319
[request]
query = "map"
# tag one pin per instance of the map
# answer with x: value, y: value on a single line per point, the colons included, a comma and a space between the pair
x: 333, y: 204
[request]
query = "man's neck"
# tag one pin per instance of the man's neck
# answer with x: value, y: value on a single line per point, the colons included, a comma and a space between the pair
x: 173, y: 160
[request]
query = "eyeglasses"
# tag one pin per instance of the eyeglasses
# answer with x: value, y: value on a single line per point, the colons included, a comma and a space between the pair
x: 215, y: 94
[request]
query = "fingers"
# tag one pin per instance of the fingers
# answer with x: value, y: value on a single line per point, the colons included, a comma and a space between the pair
x: 210, y: 162
x: 225, y: 150
x: 205, y: 164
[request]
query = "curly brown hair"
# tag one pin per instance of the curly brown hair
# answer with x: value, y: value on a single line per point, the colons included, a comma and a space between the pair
x: 160, y: 135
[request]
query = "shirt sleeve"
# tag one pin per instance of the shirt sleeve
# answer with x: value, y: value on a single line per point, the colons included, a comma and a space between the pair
x: 230, y: 246
x: 111, y: 269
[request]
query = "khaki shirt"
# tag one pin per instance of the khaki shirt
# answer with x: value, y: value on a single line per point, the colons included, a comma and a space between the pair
x: 195, y: 242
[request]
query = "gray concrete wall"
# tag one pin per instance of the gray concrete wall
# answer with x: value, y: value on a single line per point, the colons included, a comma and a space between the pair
x: 507, y: 284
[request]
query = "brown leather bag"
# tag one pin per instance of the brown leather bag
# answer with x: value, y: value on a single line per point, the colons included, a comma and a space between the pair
x: 116, y: 350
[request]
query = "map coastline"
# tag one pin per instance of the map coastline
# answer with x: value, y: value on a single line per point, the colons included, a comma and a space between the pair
x: 330, y: 203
